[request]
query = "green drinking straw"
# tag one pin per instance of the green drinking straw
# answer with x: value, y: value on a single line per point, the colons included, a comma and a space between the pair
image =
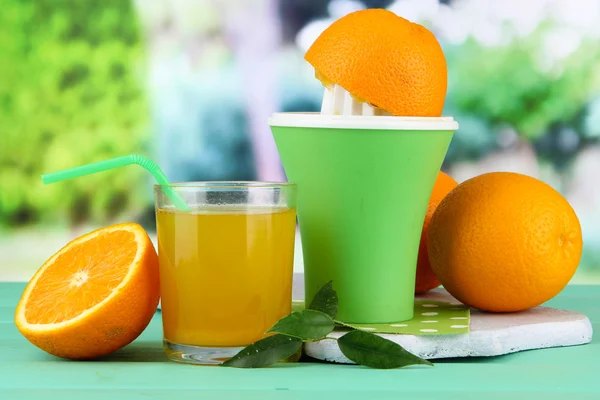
x: 119, y: 162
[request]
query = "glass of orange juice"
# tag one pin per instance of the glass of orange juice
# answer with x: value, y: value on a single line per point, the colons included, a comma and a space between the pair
x: 226, y: 266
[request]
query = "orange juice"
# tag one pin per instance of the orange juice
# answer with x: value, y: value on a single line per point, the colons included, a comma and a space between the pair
x: 226, y: 273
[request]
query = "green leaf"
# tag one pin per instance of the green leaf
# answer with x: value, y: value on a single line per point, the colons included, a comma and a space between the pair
x: 265, y: 352
x: 305, y: 325
x: 373, y: 351
x: 326, y: 300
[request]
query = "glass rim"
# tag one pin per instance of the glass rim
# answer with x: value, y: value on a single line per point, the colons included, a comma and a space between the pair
x: 232, y: 185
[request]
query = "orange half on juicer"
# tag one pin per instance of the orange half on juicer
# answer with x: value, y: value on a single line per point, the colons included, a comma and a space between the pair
x: 373, y: 62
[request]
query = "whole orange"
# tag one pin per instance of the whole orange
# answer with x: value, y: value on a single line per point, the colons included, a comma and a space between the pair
x: 385, y: 60
x: 426, y: 279
x: 504, y: 242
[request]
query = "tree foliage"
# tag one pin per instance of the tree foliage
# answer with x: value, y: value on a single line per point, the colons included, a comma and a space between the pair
x: 520, y: 85
x: 70, y: 94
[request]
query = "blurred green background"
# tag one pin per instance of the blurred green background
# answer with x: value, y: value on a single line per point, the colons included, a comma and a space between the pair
x: 71, y: 92
x: 191, y: 83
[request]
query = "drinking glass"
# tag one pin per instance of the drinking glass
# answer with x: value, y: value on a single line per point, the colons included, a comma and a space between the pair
x: 226, y: 265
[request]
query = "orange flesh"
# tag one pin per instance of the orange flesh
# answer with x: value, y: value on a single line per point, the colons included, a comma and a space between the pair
x: 81, y: 277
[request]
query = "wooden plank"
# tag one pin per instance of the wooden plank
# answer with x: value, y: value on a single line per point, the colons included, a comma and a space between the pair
x: 141, y: 370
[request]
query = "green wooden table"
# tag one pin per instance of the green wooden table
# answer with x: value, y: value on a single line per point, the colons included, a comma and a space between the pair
x: 141, y: 371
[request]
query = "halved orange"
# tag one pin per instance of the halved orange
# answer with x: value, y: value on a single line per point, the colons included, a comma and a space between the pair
x: 94, y: 296
x: 385, y: 60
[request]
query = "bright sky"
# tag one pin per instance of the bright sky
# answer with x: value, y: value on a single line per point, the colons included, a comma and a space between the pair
x: 491, y: 23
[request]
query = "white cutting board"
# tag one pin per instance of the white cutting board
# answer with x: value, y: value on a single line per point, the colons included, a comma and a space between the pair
x: 490, y: 334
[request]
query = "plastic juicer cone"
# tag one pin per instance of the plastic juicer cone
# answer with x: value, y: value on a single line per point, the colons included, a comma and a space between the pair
x: 364, y: 184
